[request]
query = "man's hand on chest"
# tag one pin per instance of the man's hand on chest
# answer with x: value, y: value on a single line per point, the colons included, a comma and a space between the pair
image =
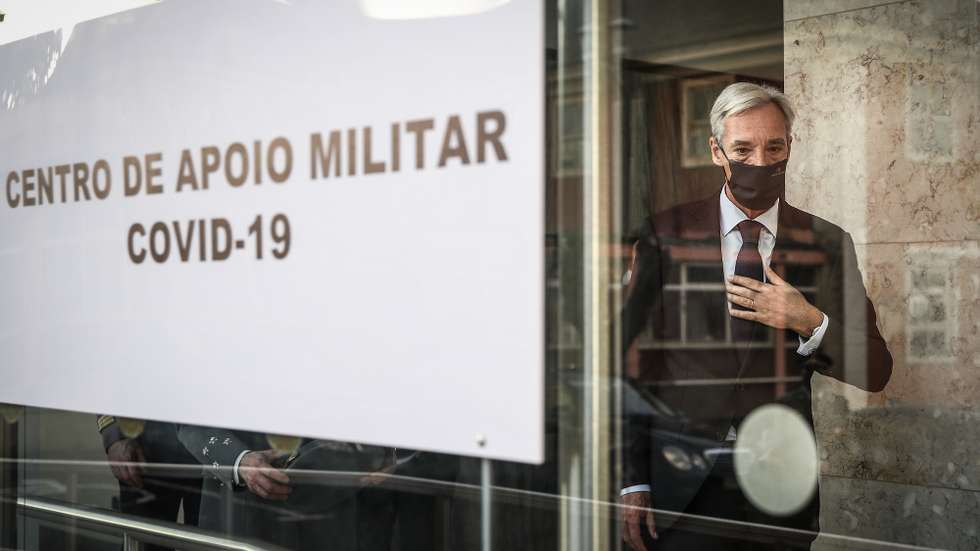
x: 776, y: 304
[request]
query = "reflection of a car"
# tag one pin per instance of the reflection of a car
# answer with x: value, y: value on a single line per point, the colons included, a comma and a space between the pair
x: 681, y: 458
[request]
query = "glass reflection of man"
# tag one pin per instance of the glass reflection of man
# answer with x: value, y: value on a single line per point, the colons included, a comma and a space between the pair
x: 154, y: 471
x: 747, y: 232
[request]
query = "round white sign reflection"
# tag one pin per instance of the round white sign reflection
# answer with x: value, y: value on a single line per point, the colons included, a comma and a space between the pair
x: 776, y: 460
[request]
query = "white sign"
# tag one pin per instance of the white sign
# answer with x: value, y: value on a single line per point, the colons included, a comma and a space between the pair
x: 287, y: 217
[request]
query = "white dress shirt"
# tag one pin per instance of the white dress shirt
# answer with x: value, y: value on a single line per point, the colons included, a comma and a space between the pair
x: 731, y: 243
x: 239, y: 481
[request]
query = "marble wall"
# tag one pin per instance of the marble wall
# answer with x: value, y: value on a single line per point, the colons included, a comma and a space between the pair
x: 885, y: 146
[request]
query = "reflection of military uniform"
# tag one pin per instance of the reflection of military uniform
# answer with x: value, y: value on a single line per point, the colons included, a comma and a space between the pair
x: 164, y: 490
x: 319, y: 510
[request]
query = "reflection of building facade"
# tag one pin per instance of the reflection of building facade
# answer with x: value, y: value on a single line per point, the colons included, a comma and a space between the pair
x: 697, y: 319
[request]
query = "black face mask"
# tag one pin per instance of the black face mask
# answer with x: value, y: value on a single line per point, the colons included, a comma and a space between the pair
x: 757, y: 187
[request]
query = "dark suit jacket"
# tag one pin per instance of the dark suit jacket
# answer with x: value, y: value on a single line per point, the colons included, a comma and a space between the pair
x: 851, y: 351
x: 319, y: 509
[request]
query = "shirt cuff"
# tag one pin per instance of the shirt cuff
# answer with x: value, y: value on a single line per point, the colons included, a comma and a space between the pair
x: 635, y: 488
x: 808, y: 346
x: 235, y: 470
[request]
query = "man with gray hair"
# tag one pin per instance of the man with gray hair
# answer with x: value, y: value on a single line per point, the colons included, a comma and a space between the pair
x: 765, y: 339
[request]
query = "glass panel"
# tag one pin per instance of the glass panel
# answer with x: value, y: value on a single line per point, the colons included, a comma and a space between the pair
x: 706, y: 316
x: 704, y: 274
x: 873, y: 150
x: 852, y: 425
x: 805, y: 276
x: 670, y: 329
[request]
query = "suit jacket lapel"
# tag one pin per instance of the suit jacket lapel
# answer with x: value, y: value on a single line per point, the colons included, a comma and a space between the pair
x: 792, y: 233
x: 784, y: 231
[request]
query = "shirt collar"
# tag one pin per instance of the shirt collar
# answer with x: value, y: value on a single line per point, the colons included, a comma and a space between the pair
x: 731, y: 215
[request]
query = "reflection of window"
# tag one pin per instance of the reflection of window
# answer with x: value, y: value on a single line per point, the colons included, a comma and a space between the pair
x: 697, y: 97
x: 705, y: 316
x: 705, y: 274
x: 571, y: 136
x: 930, y: 304
x: 695, y: 310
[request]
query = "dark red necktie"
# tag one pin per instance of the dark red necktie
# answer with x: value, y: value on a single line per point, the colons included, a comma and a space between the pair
x: 749, y: 264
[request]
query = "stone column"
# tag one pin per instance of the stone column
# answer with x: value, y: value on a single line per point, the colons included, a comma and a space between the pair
x: 887, y: 145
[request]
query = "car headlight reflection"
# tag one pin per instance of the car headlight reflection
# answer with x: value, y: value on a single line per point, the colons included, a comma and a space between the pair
x: 678, y: 458
x: 699, y: 461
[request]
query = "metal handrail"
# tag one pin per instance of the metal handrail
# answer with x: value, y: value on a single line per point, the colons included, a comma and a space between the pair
x: 134, y: 530
x: 195, y: 538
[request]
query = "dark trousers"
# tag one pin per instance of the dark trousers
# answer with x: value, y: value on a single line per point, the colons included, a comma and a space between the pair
x: 160, y: 499
x: 721, y: 498
x: 390, y: 520
x: 402, y: 520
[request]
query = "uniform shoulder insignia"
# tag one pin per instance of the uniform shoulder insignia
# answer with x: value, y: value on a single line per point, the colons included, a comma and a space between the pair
x: 105, y: 421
